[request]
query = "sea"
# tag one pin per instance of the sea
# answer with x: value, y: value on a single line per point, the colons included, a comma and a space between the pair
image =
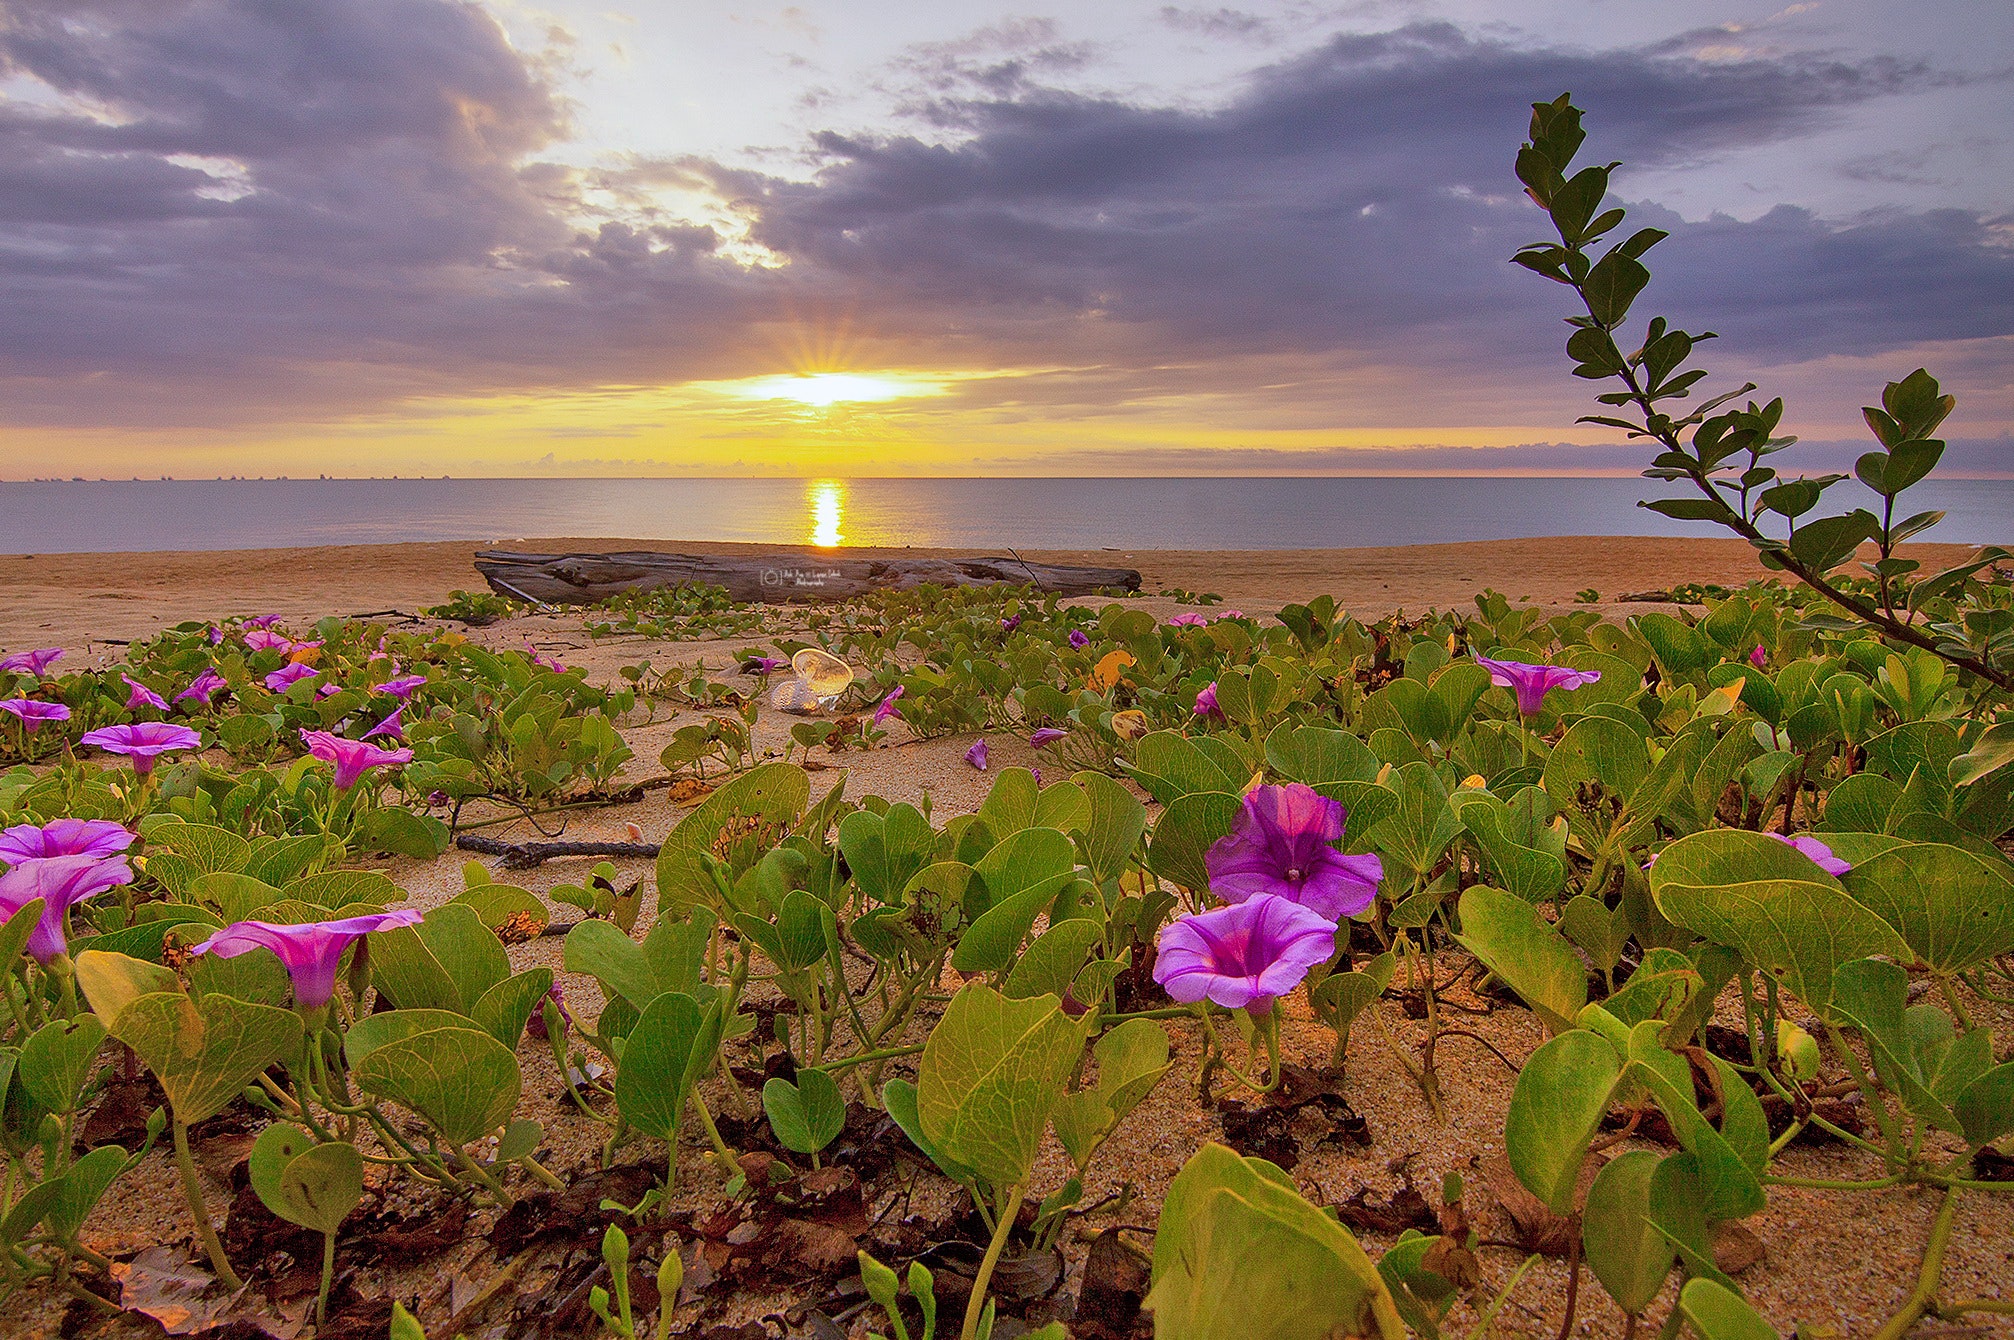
x: 1270, y: 512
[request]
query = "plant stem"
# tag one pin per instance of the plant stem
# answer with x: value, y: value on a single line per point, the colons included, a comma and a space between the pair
x: 192, y: 1187
x: 713, y: 1134
x: 886, y: 1053
x: 328, y: 1276
x: 1925, y: 1293
x: 977, y: 1302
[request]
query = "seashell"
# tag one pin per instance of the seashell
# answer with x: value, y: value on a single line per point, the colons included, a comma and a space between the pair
x: 824, y: 674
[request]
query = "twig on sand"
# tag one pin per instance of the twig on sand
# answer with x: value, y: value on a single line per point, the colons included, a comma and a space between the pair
x: 525, y: 855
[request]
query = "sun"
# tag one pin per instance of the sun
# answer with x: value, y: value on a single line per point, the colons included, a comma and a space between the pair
x: 820, y: 390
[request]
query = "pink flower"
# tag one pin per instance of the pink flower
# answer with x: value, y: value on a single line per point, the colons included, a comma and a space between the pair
x: 1531, y: 683
x: 351, y: 758
x: 887, y: 707
x: 262, y: 639
x: 34, y: 663
x: 1232, y: 614
x: 216, y: 635
x: 289, y: 675
x: 763, y: 665
x: 1758, y: 658
x: 1243, y: 956
x: 1206, y: 702
x: 1187, y: 619
x: 203, y: 688
x: 1045, y: 737
x: 389, y: 726
x: 1010, y: 623
x: 1284, y: 846
x: 61, y: 882
x: 402, y: 687
x: 262, y: 621
x: 143, y: 742
x: 327, y: 690
x: 33, y: 712
x: 141, y: 696
x: 1820, y: 854
x: 64, y: 837
x: 551, y: 663
x: 1079, y: 639
x: 976, y: 755
x: 312, y: 952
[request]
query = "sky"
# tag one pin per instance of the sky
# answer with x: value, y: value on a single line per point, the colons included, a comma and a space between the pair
x: 882, y: 238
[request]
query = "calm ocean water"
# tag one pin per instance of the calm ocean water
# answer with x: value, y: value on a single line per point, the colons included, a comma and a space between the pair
x: 1247, y: 513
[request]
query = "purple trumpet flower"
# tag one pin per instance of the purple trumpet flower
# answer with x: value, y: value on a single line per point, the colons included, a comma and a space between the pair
x: 350, y: 758
x: 1206, y: 702
x: 402, y: 687
x: 96, y: 838
x: 1079, y: 638
x: 976, y: 755
x: 215, y: 634
x: 34, y: 663
x: 1188, y: 619
x: 1231, y: 614
x: 1284, y: 846
x: 204, y: 687
x: 1045, y: 737
x: 1820, y: 854
x: 536, y: 1025
x: 1010, y: 623
x: 143, y: 742
x: 34, y: 712
x: 1245, y: 956
x: 539, y: 658
x: 390, y: 726
x: 61, y: 882
x: 289, y: 675
x: 139, y: 695
x: 311, y: 952
x: 763, y: 665
x: 262, y: 621
x: 262, y: 639
x: 887, y: 707
x: 1759, y: 657
x: 1531, y: 683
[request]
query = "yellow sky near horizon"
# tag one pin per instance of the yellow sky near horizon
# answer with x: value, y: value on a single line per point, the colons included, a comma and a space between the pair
x: 856, y: 422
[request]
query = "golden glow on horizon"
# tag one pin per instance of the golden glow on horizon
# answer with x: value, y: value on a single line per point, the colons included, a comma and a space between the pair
x: 821, y: 390
x: 827, y: 497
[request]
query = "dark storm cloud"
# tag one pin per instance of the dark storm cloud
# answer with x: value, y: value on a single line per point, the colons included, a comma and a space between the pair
x: 1360, y: 198
x: 276, y: 208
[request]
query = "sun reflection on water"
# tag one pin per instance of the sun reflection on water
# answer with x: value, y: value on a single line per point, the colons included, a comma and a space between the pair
x: 827, y: 497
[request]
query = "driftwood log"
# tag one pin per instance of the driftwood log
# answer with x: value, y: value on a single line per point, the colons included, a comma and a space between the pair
x: 801, y: 575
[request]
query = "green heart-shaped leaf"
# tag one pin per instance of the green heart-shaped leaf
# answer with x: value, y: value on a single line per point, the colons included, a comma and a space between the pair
x: 1529, y: 956
x: 1561, y: 1096
x: 806, y: 1116
x: 204, y: 1052
x: 462, y: 1080
x: 990, y: 1074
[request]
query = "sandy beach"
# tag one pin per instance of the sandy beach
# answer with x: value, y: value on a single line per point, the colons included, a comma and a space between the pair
x: 73, y: 599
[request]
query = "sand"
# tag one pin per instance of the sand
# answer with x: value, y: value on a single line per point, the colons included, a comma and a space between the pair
x: 1834, y: 1260
x: 73, y: 599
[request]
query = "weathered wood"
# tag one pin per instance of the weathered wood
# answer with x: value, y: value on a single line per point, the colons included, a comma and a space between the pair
x: 802, y: 575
